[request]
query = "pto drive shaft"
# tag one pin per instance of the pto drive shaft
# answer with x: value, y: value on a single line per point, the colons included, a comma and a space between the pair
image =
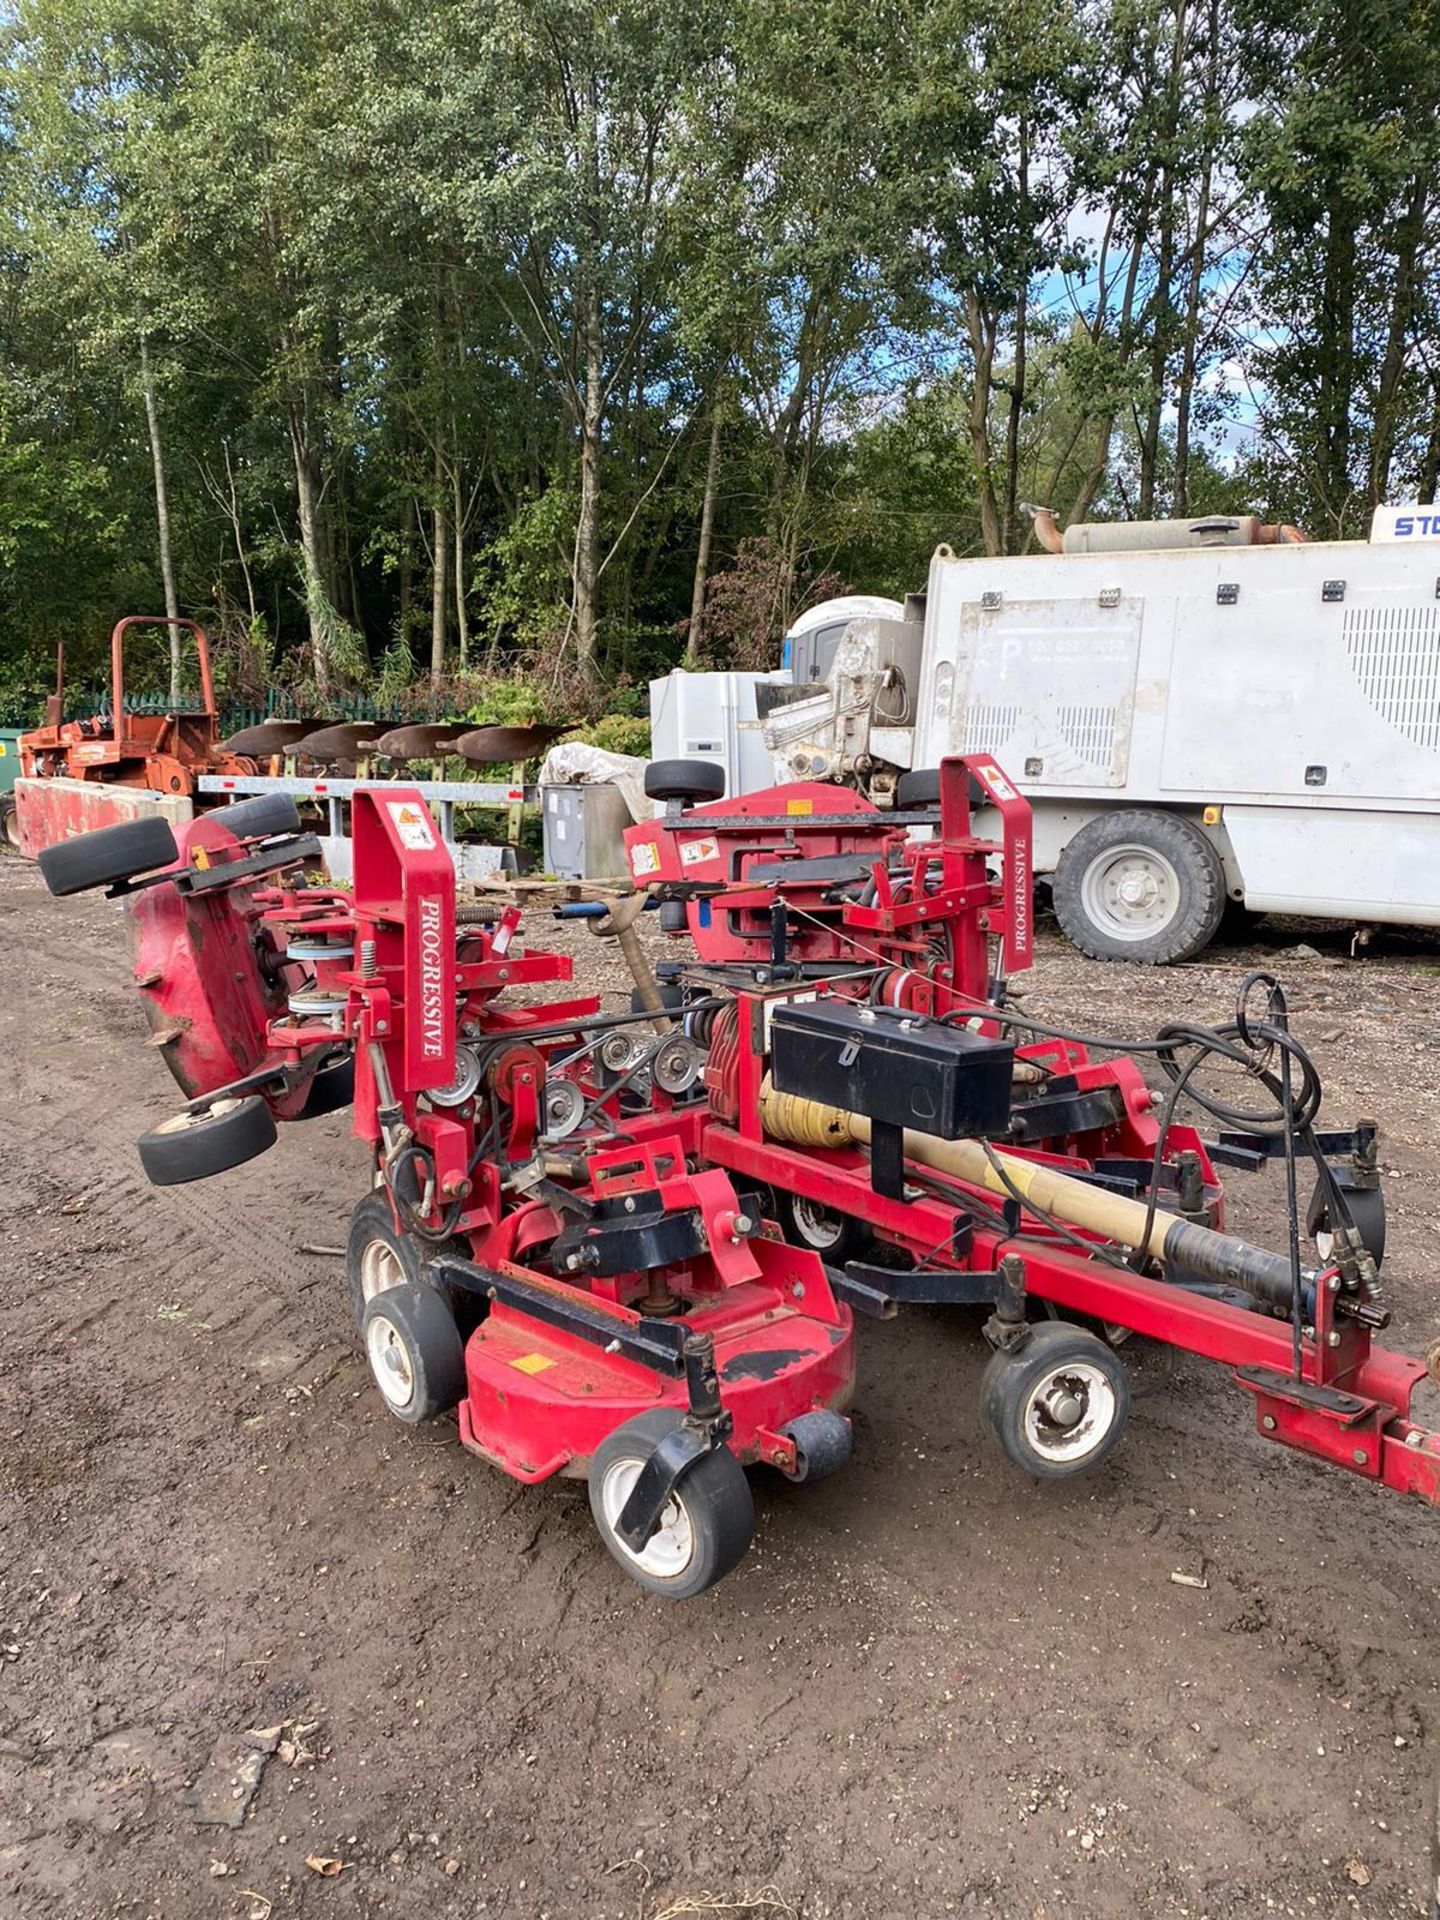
x: 1180, y: 1243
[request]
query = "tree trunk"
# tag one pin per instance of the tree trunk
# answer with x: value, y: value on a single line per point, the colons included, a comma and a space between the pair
x: 587, y: 531
x: 1392, y: 370
x: 307, y: 501
x: 982, y: 329
x: 462, y: 618
x: 439, y: 556
x: 162, y: 520
x: 707, y: 528
x: 1190, y: 346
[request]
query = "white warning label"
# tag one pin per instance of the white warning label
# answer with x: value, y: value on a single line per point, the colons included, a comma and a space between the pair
x: 412, y: 825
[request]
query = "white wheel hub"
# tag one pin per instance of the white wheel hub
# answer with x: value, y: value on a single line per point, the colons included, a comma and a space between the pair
x: 380, y: 1269
x: 1069, y: 1412
x: 390, y: 1363
x: 181, y: 1122
x: 1130, y: 892
x: 819, y: 1228
x: 671, y: 1548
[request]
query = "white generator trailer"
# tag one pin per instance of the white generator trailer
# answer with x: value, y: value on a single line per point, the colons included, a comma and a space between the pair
x: 1202, y: 713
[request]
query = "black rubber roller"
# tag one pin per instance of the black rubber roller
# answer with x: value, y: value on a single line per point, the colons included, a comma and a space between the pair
x: 823, y: 1444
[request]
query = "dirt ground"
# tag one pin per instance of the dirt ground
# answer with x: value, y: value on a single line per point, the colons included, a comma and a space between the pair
x: 933, y: 1688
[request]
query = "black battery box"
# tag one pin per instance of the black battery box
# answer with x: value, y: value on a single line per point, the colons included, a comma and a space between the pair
x: 899, y: 1069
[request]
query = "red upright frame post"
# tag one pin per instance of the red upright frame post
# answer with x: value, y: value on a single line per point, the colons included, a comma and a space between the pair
x: 405, y: 941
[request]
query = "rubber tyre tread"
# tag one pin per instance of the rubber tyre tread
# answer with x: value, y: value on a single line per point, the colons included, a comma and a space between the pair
x: 424, y: 1321
x: 372, y: 1219
x: 332, y: 1089
x: 918, y: 788
x: 694, y: 780
x: 9, y: 822
x: 1197, y: 866
x: 213, y: 1145
x: 108, y: 854
x: 1010, y: 1376
x: 262, y: 815
x: 716, y: 1494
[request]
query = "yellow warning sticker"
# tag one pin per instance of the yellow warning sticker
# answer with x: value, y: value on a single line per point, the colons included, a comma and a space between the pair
x: 799, y: 806
x: 532, y: 1362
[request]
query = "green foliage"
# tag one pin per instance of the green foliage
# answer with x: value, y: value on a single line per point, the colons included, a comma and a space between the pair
x: 459, y: 290
x: 619, y: 733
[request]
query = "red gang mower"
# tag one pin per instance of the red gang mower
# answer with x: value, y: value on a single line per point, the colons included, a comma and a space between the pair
x: 540, y: 1251
x: 565, y: 1239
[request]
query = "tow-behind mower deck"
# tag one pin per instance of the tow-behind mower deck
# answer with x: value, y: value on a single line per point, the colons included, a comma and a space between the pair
x: 566, y: 1239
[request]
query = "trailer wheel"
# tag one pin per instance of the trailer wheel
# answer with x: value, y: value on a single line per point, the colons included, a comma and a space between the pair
x: 191, y: 1146
x: 415, y: 1352
x: 1058, y: 1403
x: 108, y: 855
x: 9, y: 821
x: 692, y: 780
x: 836, y: 1237
x: 706, y: 1526
x: 1139, y: 886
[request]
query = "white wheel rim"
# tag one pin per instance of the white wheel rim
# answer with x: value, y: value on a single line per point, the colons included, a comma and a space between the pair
x: 390, y: 1363
x: 818, y: 1227
x: 181, y: 1122
x: 1069, y: 1412
x: 380, y: 1269
x: 1130, y: 892
x: 671, y: 1548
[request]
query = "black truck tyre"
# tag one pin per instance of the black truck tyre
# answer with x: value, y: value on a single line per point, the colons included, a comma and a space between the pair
x: 192, y: 1146
x: 1141, y: 886
x: 108, y: 855
x: 691, y: 780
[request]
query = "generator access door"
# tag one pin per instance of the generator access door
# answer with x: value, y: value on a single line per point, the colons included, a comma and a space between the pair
x: 1048, y: 688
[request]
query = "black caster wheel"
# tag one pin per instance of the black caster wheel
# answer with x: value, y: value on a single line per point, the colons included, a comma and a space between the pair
x: 706, y: 1526
x: 192, y: 1146
x: 1059, y: 1402
x: 415, y: 1352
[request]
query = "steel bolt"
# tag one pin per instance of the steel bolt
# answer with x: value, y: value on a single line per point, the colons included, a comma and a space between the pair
x: 1332, y: 1339
x: 1332, y: 1283
x: 1414, y: 1438
x: 1268, y: 1422
x: 1360, y: 1456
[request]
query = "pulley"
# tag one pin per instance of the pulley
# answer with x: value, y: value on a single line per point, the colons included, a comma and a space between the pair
x: 675, y: 1064
x: 465, y: 1084
x: 564, y: 1108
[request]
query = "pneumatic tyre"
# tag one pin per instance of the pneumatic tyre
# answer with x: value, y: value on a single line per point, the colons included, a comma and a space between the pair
x: 689, y: 780
x: 331, y: 1090
x: 1141, y: 886
x: 917, y: 789
x: 192, y: 1146
x: 379, y: 1255
x: 706, y: 1525
x: 108, y: 855
x: 836, y: 1237
x: 260, y: 816
x: 9, y: 821
x: 415, y: 1352
x: 1059, y: 1403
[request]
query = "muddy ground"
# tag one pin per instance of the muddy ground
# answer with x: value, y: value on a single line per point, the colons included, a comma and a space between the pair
x: 933, y: 1688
